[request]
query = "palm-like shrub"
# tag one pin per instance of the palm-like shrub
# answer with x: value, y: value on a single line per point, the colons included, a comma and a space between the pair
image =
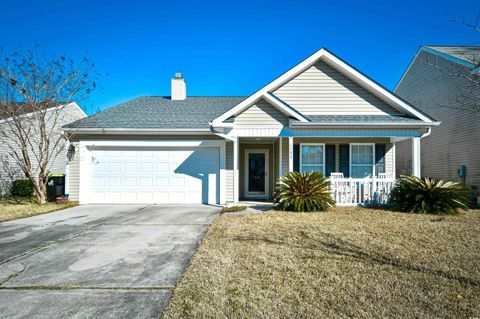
x: 303, y: 192
x: 426, y: 196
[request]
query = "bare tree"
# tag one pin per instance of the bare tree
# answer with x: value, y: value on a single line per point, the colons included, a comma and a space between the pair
x: 35, y: 93
x: 467, y: 97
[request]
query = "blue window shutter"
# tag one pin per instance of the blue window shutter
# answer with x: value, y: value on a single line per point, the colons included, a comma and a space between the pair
x: 380, y: 158
x: 296, y: 158
x: 329, y: 159
x: 345, y: 160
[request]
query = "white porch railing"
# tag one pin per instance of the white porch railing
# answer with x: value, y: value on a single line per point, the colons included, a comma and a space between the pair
x: 358, y: 191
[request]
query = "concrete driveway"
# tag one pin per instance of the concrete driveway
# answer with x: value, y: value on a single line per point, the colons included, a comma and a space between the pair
x: 97, y: 260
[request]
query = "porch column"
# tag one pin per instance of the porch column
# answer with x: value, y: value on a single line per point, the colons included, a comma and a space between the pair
x: 280, y: 162
x: 290, y: 154
x: 416, y: 156
x: 235, y: 169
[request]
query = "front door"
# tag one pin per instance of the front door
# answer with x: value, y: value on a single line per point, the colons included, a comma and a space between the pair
x: 256, y: 174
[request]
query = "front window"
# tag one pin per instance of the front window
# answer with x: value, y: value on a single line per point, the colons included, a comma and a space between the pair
x: 362, y: 160
x: 312, y: 158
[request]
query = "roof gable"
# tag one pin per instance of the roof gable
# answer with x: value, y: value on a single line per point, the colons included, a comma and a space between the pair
x: 262, y: 114
x: 321, y: 89
x: 340, y: 66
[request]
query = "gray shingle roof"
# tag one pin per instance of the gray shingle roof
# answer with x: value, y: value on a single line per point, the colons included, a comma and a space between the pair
x: 362, y: 118
x: 470, y: 54
x: 161, y: 112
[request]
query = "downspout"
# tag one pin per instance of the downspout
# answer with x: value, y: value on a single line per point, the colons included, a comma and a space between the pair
x: 429, y: 131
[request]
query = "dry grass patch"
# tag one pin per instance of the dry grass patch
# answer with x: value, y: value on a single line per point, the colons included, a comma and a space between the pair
x: 11, y: 208
x: 348, y: 262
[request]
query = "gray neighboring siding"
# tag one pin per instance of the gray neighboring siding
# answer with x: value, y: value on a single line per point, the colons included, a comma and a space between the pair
x: 229, y: 172
x: 261, y: 114
x: 56, y: 165
x: 457, y: 140
x: 323, y: 90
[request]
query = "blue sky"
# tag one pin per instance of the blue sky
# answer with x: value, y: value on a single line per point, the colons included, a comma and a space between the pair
x: 229, y: 47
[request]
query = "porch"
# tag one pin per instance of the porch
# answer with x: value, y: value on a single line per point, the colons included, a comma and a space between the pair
x: 361, y: 170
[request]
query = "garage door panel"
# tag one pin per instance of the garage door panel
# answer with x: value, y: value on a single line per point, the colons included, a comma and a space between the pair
x: 161, y: 175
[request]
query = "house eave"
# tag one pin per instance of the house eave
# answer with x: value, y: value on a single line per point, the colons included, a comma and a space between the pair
x: 138, y: 131
x: 363, y: 124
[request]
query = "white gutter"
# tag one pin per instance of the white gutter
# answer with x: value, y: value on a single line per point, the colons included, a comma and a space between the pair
x: 133, y: 131
x: 363, y: 124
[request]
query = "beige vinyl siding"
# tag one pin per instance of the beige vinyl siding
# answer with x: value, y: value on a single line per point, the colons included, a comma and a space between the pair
x: 284, y: 155
x: 457, y: 140
x: 261, y: 114
x: 229, y: 172
x: 74, y: 174
x: 323, y: 90
x: 389, y: 159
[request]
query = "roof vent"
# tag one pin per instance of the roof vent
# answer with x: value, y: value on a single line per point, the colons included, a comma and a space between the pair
x: 179, y: 87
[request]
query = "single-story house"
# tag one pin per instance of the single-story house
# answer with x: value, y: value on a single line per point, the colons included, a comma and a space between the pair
x: 321, y: 115
x: 63, y: 113
x: 444, y: 81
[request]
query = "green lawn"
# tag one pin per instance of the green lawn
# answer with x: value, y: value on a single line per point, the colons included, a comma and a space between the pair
x: 348, y: 262
x: 14, y: 208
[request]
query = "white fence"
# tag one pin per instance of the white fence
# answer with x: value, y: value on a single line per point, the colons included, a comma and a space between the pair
x: 358, y: 191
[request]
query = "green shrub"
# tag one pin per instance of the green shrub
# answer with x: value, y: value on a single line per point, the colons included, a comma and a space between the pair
x: 303, y: 192
x: 426, y: 196
x: 22, y: 188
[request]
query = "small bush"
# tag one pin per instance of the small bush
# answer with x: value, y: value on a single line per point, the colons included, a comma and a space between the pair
x: 22, y: 188
x: 303, y: 192
x: 426, y: 196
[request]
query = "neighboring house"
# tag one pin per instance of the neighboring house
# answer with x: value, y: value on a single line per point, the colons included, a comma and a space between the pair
x: 320, y: 115
x: 9, y: 169
x: 436, y: 82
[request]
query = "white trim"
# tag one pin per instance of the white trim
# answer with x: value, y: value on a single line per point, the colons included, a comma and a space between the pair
x: 337, y: 64
x: 416, y: 157
x: 135, y: 131
x: 282, y: 107
x: 394, y: 154
x: 290, y: 154
x: 236, y: 153
x: 350, y: 158
x: 369, y: 124
x: 267, y: 175
x: 256, y: 132
x: 311, y: 144
x: 280, y: 146
x: 85, y: 147
x: 153, y: 143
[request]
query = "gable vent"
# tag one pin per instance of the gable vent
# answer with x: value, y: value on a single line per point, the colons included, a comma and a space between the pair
x: 179, y: 87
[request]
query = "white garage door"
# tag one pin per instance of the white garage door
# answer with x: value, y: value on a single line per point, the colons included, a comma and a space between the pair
x: 155, y: 175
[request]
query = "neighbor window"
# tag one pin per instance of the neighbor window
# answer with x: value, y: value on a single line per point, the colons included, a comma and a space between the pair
x: 362, y: 160
x: 312, y: 158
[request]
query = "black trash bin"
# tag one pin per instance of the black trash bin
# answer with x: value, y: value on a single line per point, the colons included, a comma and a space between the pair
x: 55, y: 186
